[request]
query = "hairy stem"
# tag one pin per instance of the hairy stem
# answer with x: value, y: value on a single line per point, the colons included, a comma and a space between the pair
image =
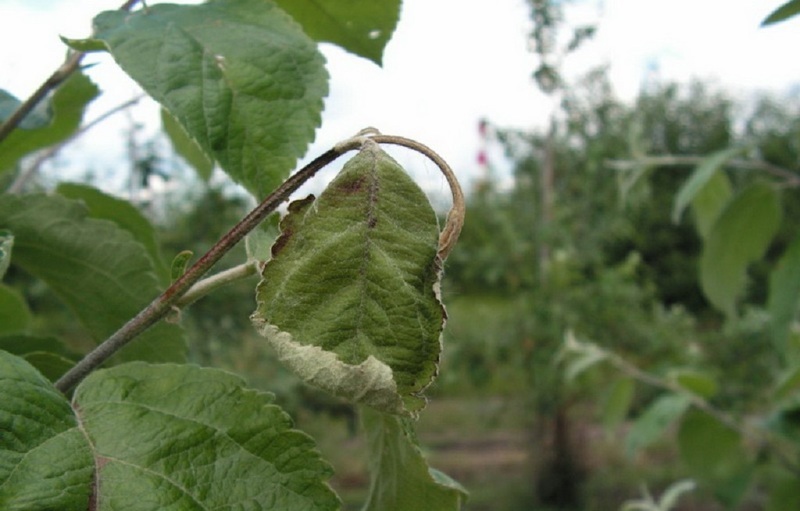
x: 209, y: 284
x: 70, y: 65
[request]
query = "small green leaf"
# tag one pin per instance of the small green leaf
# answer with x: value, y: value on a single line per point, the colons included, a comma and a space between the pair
x: 38, y: 118
x: 697, y: 383
x: 618, y: 403
x: 400, y: 477
x: 45, y: 462
x: 362, y: 28
x: 15, y: 317
x: 184, y: 437
x: 6, y: 245
x: 784, y: 12
x: 710, y: 201
x: 122, y: 213
x: 788, y: 383
x: 187, y: 148
x: 710, y: 449
x: 784, y: 296
x: 739, y: 237
x: 48, y: 355
x: 240, y: 76
x: 700, y: 177
x: 669, y: 499
x: 653, y: 422
x: 350, y: 297
x: 179, y: 264
x: 69, y: 102
x: 98, y: 269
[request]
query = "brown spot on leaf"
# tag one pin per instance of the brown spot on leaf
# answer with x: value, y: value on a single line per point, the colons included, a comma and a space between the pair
x: 352, y: 186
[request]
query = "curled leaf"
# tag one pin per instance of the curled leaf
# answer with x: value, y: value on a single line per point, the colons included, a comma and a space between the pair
x: 350, y: 297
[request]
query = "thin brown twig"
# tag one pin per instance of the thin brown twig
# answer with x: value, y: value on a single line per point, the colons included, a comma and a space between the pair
x: 70, y: 65
x: 23, y: 177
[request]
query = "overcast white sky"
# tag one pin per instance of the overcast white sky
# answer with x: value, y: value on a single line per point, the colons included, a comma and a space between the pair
x: 450, y: 63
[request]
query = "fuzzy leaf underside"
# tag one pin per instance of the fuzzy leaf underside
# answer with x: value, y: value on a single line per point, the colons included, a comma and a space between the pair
x: 400, y: 477
x: 145, y: 437
x: 350, y: 297
x: 362, y: 28
x: 98, y: 269
x: 240, y: 76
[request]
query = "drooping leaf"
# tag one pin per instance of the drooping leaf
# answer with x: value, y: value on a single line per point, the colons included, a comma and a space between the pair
x: 784, y: 295
x: 6, y: 245
x: 784, y: 12
x: 710, y: 201
x: 362, y: 28
x: 239, y: 75
x: 653, y: 422
x: 184, y: 437
x: 739, y: 237
x: 700, y: 178
x: 39, y: 117
x: 350, y: 297
x: 710, y: 449
x: 69, y: 102
x: 618, y: 403
x: 45, y: 462
x: 98, y: 269
x: 187, y: 148
x: 48, y: 355
x: 122, y: 213
x: 400, y: 477
x: 15, y: 317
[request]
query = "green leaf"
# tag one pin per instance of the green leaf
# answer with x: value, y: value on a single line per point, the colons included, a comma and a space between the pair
x: 183, y: 437
x: 618, y: 403
x: 45, y: 462
x: 239, y: 75
x: 784, y: 296
x: 99, y: 270
x: 39, y: 117
x: 710, y: 449
x: 350, y: 297
x: 15, y: 317
x: 68, y: 105
x: 653, y: 422
x: 179, y: 264
x: 784, y: 12
x: 122, y: 213
x: 699, y: 384
x: 710, y: 201
x: 400, y: 477
x: 259, y: 241
x: 362, y: 28
x: 788, y: 383
x: 739, y: 237
x: 48, y: 355
x: 187, y: 148
x: 700, y: 177
x: 6, y: 245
